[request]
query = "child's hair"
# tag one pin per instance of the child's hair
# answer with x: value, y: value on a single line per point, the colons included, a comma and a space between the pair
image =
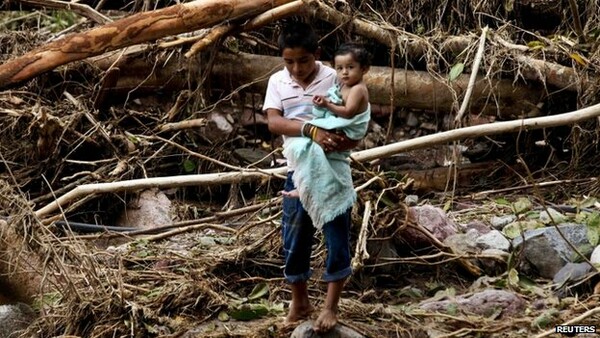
x: 358, y: 52
x: 298, y: 34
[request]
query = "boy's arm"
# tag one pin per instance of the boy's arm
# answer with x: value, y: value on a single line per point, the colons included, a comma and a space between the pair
x: 281, y: 126
x: 353, y: 103
x: 326, y: 139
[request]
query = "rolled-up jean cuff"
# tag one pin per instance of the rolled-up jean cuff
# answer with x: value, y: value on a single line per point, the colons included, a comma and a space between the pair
x: 337, y: 275
x: 293, y: 279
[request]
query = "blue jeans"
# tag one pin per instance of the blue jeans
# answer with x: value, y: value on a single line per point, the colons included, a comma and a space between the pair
x: 298, y: 232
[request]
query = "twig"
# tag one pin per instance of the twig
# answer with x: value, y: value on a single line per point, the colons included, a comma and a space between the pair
x: 187, y: 124
x: 189, y: 229
x: 474, y: 71
x: 81, y: 9
x: 361, y: 252
x: 532, y: 185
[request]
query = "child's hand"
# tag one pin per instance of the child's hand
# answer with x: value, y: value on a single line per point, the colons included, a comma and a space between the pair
x: 319, y: 101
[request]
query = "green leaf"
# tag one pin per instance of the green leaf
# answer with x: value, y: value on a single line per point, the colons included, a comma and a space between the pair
x: 223, y: 316
x: 456, y: 70
x: 593, y: 235
x: 258, y: 291
x: 545, y: 319
x: 249, y: 312
x: 521, y: 205
x: 535, y: 44
x: 513, y: 278
x: 513, y: 230
x: 189, y: 166
x: 593, y: 220
x: 502, y: 201
x: 588, y: 202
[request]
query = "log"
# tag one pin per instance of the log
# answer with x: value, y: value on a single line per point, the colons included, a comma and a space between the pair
x: 412, y: 89
x: 416, y: 47
x: 132, y: 30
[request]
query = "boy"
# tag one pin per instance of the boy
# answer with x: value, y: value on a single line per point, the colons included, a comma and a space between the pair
x: 288, y: 103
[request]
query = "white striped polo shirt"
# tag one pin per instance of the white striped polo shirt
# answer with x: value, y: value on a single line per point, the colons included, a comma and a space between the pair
x: 287, y: 96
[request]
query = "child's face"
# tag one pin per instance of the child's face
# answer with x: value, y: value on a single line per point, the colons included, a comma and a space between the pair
x: 300, y: 63
x: 349, y: 71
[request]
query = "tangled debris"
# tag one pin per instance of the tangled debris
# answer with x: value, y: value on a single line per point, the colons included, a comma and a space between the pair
x: 216, y: 272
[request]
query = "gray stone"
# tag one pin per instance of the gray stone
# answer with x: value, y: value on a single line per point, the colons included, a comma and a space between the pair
x: 463, y: 243
x: 411, y: 200
x: 595, y: 258
x: 547, y: 251
x: 15, y: 317
x: 571, y: 272
x: 499, y: 222
x: 493, y: 240
x: 305, y: 330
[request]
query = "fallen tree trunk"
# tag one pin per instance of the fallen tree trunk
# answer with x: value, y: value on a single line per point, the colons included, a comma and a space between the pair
x: 361, y: 156
x: 129, y: 31
x: 412, y: 89
x: 416, y: 47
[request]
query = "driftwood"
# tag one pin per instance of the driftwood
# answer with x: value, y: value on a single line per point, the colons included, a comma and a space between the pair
x: 361, y: 156
x: 135, y: 29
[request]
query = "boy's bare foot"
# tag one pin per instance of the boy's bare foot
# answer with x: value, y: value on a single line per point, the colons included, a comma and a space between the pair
x: 291, y: 194
x: 326, y: 321
x: 299, y: 312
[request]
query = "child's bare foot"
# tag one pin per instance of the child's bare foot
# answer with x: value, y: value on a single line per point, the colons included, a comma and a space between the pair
x: 298, y: 312
x: 291, y: 194
x: 326, y: 321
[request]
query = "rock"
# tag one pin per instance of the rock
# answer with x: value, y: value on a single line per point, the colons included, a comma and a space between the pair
x: 547, y: 251
x: 15, y: 317
x: 463, y: 243
x: 571, y: 272
x: 499, y: 222
x: 150, y: 210
x: 595, y: 258
x: 218, y: 127
x: 485, y: 303
x: 493, y: 240
x: 412, y: 120
x: 411, y: 200
x: 305, y: 330
x: 431, y: 218
x: 480, y: 226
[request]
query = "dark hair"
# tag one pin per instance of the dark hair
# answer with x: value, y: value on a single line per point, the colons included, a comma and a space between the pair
x: 298, y: 34
x: 358, y: 52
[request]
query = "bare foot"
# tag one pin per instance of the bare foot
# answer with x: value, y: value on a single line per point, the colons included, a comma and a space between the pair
x: 290, y: 194
x: 298, y: 312
x: 326, y: 321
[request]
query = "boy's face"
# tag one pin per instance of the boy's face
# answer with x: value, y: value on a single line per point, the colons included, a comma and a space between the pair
x: 300, y: 63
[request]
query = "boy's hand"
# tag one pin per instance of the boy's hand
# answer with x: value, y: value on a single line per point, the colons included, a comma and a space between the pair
x: 320, y: 101
x: 330, y: 141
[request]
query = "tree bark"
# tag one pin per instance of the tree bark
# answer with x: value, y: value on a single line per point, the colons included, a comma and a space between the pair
x: 129, y: 31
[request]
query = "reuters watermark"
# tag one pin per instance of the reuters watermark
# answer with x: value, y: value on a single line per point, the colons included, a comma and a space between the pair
x: 576, y: 330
